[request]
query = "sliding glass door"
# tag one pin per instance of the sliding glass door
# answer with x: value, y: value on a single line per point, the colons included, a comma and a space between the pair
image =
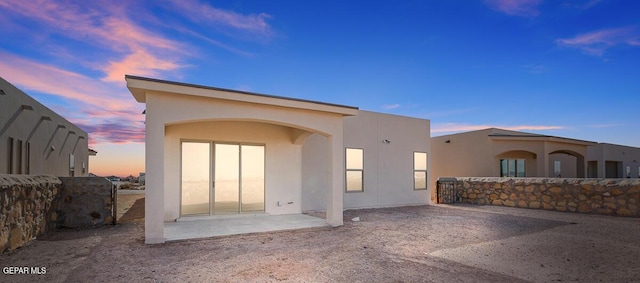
x: 235, y: 185
x: 196, y: 176
x: 227, y: 179
x: 252, y: 171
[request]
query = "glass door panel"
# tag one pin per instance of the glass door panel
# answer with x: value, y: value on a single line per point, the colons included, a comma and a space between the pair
x: 227, y: 179
x: 252, y: 172
x: 195, y: 178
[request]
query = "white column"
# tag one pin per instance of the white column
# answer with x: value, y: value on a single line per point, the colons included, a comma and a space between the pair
x: 154, y: 190
x: 335, y: 175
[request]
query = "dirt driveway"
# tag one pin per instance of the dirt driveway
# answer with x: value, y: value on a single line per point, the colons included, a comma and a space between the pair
x: 408, y: 244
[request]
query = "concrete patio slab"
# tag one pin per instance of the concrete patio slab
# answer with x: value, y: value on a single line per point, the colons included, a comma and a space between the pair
x: 214, y: 226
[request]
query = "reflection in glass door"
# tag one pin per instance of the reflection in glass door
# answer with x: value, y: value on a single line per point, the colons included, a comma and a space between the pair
x: 195, y: 178
x: 238, y: 178
x: 252, y: 171
x: 227, y: 179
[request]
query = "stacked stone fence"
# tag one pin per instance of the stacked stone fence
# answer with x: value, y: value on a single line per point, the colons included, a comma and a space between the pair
x: 87, y: 202
x: 595, y: 196
x: 30, y: 206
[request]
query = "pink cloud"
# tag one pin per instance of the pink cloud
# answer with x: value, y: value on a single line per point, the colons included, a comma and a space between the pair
x: 55, y: 81
x: 92, y: 104
x: 141, y: 63
x: 453, y: 127
x: 515, y: 7
x: 131, y: 48
x: 114, y: 132
x: 140, y: 51
x: 597, y: 42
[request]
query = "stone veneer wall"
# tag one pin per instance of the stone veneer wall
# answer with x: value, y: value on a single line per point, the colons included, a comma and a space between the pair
x: 32, y: 205
x: 86, y: 202
x: 29, y: 208
x: 599, y: 196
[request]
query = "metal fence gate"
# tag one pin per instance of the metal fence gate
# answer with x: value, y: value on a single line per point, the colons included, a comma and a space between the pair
x: 446, y: 190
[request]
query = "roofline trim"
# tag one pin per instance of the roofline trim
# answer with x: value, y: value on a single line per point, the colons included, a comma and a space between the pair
x: 237, y: 91
x: 540, y: 136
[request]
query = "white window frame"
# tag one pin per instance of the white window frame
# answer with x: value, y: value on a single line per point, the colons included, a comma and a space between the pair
x: 348, y: 169
x: 417, y: 170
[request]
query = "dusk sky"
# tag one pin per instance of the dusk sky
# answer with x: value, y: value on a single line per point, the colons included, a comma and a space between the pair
x: 567, y: 68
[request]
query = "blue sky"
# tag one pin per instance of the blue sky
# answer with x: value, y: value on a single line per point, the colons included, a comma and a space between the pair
x: 563, y: 67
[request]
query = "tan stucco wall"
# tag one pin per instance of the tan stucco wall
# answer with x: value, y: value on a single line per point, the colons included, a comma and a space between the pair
x: 627, y: 155
x: 478, y: 154
x: 21, y: 118
x: 388, y: 167
x: 314, y: 163
x: 568, y: 168
x: 464, y: 155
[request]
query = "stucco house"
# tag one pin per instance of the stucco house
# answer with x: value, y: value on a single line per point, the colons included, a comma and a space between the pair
x: 613, y: 161
x: 213, y: 151
x: 36, y: 140
x: 502, y: 153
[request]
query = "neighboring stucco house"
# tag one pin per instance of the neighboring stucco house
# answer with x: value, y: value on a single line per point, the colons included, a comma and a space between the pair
x: 501, y: 153
x: 212, y: 151
x: 613, y: 161
x: 36, y: 140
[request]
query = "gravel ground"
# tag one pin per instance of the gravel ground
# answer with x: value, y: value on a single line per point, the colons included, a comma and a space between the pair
x: 407, y: 244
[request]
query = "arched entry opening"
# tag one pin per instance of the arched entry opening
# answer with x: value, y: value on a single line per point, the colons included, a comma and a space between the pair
x: 566, y: 164
x: 173, y: 107
x: 233, y: 167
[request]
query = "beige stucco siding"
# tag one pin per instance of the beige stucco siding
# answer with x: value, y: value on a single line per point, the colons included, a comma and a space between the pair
x: 624, y: 156
x: 388, y: 167
x: 468, y: 155
x: 47, y: 139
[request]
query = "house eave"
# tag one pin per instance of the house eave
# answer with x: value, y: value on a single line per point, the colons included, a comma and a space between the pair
x: 541, y: 138
x: 139, y: 86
